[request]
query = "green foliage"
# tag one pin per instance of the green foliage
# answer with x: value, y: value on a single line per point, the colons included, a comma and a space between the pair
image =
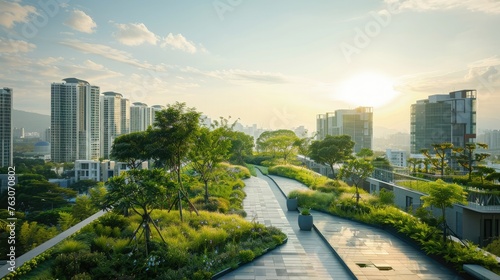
x: 132, y: 148
x: 331, y: 150
x: 305, y: 211
x: 210, y: 148
x: 71, y: 246
x: 28, y: 266
x: 68, y: 265
x: 83, y: 208
x: 206, y: 243
x: 494, y: 247
x: 66, y: 220
x: 357, y: 171
x: 281, y: 144
x: 32, y: 235
x: 386, y: 197
x: 301, y: 174
x: 83, y: 186
x: 246, y: 256
x: 241, y: 147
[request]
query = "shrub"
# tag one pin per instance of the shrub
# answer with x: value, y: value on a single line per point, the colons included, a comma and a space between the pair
x: 246, y: 256
x: 386, y: 197
x: 70, y: 246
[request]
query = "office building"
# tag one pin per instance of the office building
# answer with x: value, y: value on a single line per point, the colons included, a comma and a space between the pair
x: 111, y: 120
x: 75, y: 125
x: 6, y: 148
x: 357, y: 123
x: 396, y: 157
x: 443, y: 118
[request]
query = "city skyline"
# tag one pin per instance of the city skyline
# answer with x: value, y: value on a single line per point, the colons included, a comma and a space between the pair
x: 275, y: 64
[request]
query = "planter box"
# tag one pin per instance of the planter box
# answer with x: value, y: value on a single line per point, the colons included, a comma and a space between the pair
x: 291, y: 204
x: 305, y: 222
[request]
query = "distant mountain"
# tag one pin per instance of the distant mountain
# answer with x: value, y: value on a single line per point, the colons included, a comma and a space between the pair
x: 32, y: 122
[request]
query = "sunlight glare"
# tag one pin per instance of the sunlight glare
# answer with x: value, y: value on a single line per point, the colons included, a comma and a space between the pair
x: 367, y: 89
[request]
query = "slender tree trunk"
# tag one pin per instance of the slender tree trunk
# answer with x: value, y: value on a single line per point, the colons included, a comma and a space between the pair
x: 445, y: 226
x: 179, y: 180
x: 206, y: 191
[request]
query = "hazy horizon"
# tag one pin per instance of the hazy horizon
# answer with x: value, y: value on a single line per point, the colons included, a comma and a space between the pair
x: 276, y: 64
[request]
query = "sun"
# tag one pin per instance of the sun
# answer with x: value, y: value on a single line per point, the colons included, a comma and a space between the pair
x: 367, y: 89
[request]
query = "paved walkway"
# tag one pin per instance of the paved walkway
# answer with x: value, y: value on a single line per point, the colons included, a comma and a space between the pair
x: 365, y: 252
x: 304, y: 256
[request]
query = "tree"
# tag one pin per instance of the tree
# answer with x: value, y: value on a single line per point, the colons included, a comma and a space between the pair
x: 132, y: 148
x: 35, y: 195
x: 443, y: 195
x: 484, y: 172
x: 209, y: 149
x: 331, y: 150
x: 467, y: 157
x: 97, y: 196
x: 357, y: 170
x: 241, y: 146
x: 364, y: 153
x: 440, y: 151
x: 83, y: 208
x: 413, y: 162
x: 143, y: 190
x: 83, y: 186
x: 175, y: 129
x: 279, y: 143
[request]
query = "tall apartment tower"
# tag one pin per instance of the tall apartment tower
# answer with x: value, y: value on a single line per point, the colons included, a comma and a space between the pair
x: 111, y: 120
x: 357, y: 123
x: 125, y: 104
x: 75, y: 125
x: 443, y: 118
x: 141, y: 117
x: 156, y: 108
x: 6, y: 148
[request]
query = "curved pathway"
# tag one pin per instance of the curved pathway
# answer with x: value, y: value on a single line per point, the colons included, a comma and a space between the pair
x: 304, y: 256
x: 369, y: 252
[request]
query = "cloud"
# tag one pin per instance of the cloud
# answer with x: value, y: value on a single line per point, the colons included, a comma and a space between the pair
x: 80, y: 21
x: 134, y: 34
x: 484, y: 6
x: 239, y: 75
x: 110, y: 53
x: 15, y: 46
x: 179, y: 42
x: 482, y: 75
x: 12, y: 12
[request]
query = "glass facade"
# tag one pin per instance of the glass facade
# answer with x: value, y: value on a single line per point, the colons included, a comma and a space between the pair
x: 443, y: 118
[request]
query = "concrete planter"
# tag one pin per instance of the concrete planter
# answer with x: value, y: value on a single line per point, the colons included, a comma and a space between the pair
x: 291, y: 204
x: 305, y: 222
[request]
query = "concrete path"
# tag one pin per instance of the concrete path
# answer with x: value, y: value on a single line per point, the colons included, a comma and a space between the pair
x: 371, y: 253
x: 304, y: 256
x: 49, y: 244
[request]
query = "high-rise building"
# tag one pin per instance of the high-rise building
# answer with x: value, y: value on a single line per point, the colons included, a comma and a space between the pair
x: 111, y: 120
x: 141, y: 117
x: 75, y: 125
x: 491, y: 138
x: 443, y: 118
x: 125, y: 104
x: 6, y: 148
x: 357, y: 123
x: 156, y: 108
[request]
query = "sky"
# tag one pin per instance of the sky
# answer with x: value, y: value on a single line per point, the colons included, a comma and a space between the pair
x: 277, y: 64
